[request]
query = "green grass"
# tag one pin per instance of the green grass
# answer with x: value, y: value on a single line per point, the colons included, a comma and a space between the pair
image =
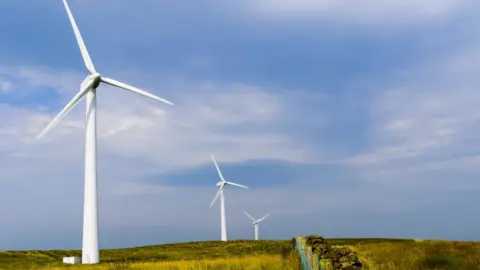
x: 167, y: 252
x: 355, y: 241
x: 397, y: 254
x: 374, y: 253
x: 255, y: 262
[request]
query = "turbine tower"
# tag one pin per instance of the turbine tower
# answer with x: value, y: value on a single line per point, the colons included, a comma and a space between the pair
x: 88, y: 88
x: 255, y: 223
x: 221, y: 185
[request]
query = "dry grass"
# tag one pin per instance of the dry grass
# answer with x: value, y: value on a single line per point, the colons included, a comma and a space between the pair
x: 375, y: 254
x: 260, y: 262
x: 193, y: 251
x: 419, y: 255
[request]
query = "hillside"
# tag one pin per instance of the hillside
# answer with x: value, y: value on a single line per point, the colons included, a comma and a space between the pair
x: 166, y: 252
x: 410, y: 254
x: 374, y: 253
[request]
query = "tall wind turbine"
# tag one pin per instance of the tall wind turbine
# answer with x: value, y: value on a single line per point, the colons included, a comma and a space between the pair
x: 221, y: 185
x: 88, y: 88
x: 255, y: 223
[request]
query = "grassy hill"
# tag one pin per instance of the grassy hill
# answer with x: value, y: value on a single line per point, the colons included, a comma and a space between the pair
x: 374, y: 253
x: 193, y: 251
x: 411, y: 254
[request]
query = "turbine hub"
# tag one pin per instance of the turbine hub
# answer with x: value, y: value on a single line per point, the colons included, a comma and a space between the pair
x: 219, y: 184
x: 96, y: 80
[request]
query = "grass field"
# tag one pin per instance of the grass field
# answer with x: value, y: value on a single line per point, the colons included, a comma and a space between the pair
x: 400, y: 254
x: 211, y: 253
x: 241, y: 263
x: 419, y: 255
x: 379, y: 254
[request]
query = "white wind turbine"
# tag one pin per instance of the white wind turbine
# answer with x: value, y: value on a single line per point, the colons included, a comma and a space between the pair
x: 255, y: 223
x: 90, y: 250
x: 221, y: 184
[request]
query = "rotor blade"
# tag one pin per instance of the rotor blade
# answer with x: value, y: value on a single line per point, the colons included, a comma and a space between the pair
x: 133, y: 89
x: 81, y: 44
x: 254, y: 220
x: 235, y: 184
x: 218, y: 169
x: 70, y: 105
x: 216, y: 196
x: 263, y: 217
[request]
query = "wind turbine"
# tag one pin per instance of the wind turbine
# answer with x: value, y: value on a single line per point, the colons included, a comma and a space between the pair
x: 255, y: 223
x: 88, y: 88
x: 221, y: 185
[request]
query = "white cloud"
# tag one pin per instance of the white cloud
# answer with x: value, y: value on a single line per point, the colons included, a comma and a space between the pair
x: 236, y: 122
x: 33, y: 76
x: 130, y: 188
x: 5, y: 85
x: 137, y: 137
x: 430, y: 119
x: 371, y: 11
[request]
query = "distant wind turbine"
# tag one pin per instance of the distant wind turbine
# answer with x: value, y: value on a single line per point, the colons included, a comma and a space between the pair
x: 88, y: 88
x: 221, y: 185
x: 255, y: 223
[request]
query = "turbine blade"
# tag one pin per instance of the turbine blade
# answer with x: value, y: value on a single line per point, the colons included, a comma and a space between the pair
x: 70, y: 105
x: 218, y: 169
x: 81, y: 44
x: 250, y: 216
x: 235, y: 184
x: 263, y: 217
x: 133, y: 89
x: 216, y: 196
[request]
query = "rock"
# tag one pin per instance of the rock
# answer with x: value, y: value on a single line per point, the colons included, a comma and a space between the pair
x: 315, y: 239
x: 341, y: 258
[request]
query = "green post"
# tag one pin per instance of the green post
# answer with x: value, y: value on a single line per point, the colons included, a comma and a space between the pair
x: 311, y: 257
x: 301, y: 252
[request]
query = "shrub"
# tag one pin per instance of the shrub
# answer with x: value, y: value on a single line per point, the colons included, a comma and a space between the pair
x: 440, y: 261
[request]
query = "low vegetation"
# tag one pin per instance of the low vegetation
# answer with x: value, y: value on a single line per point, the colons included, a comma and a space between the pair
x: 378, y: 254
x: 276, y: 262
x: 397, y: 254
x: 419, y: 255
x: 209, y: 253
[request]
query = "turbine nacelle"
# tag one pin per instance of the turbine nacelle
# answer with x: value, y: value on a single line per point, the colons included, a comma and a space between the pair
x: 93, y: 80
x: 220, y: 183
x: 96, y: 78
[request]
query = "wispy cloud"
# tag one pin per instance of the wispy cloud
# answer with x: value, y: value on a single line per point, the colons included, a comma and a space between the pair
x: 365, y: 12
x: 138, y: 137
x: 430, y: 119
x: 5, y: 86
x: 226, y: 119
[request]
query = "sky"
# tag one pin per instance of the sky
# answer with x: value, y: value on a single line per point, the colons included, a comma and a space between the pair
x: 344, y: 119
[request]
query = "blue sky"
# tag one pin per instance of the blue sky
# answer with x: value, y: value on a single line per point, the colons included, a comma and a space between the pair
x: 346, y: 120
